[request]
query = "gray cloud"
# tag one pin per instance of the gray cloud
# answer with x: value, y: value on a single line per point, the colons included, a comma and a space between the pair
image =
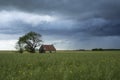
x: 70, y: 8
x: 90, y: 28
x: 100, y: 27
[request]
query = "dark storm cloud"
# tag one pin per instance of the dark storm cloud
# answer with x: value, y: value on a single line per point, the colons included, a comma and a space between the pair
x: 20, y: 27
x: 106, y: 30
x: 99, y: 27
x: 89, y: 28
x: 70, y: 8
x: 77, y: 10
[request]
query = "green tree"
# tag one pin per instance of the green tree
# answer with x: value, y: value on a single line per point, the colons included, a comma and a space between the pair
x: 29, y: 42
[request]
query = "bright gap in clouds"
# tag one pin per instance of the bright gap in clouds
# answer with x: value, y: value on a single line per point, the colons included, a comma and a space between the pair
x: 7, y: 44
x: 30, y: 18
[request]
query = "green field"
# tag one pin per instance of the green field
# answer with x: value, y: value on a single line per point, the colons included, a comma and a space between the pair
x: 63, y: 65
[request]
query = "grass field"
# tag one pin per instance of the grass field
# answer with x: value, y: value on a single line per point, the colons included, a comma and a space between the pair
x: 63, y: 65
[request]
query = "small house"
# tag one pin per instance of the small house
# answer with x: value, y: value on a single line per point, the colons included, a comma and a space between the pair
x: 47, y: 48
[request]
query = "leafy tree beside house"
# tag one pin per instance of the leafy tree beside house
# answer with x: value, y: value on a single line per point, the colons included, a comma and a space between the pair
x: 29, y: 42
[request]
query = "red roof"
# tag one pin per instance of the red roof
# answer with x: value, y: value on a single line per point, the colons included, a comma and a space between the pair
x: 48, y: 48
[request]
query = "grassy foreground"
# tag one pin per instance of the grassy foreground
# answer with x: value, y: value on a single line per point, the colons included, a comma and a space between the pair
x: 67, y: 65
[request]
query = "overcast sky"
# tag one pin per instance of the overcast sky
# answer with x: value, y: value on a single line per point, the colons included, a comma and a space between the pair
x: 68, y: 24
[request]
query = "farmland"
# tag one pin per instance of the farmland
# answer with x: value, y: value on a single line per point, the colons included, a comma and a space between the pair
x: 62, y: 65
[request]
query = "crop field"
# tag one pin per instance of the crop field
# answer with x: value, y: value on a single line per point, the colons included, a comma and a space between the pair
x: 62, y: 65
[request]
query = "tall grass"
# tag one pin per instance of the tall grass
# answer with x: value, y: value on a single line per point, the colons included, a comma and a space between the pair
x: 67, y: 65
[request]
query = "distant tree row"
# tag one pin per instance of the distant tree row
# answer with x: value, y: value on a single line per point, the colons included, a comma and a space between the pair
x: 100, y: 49
x: 97, y: 49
